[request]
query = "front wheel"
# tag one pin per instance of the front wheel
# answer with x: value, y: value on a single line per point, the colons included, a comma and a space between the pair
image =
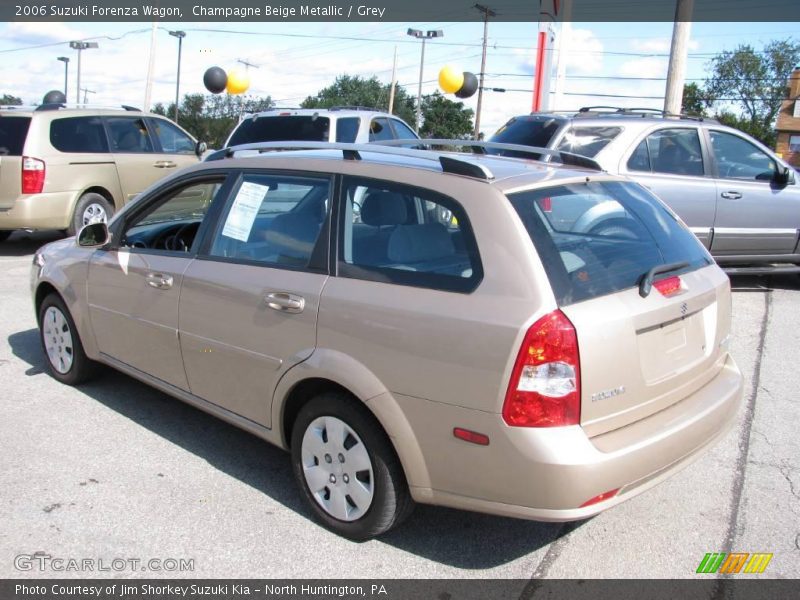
x: 90, y: 208
x: 65, y: 356
x: 347, y: 468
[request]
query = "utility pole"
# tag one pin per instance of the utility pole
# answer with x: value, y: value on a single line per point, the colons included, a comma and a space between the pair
x: 180, y: 35
x: 151, y: 65
x: 394, y: 82
x: 247, y: 64
x: 487, y: 12
x: 86, y: 93
x: 676, y: 72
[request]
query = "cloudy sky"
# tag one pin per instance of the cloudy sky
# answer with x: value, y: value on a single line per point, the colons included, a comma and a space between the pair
x: 622, y: 64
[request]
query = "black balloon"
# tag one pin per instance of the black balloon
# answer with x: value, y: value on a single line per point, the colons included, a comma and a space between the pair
x: 54, y: 97
x: 469, y: 87
x: 215, y: 80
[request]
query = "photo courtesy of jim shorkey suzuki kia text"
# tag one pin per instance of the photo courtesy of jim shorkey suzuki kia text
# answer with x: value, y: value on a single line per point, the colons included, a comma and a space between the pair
x: 218, y: 590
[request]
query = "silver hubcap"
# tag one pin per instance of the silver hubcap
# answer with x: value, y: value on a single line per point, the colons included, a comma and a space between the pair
x: 57, y: 340
x: 337, y: 468
x: 94, y: 213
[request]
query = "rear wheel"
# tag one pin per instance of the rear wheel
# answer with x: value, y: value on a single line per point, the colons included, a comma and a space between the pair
x: 65, y: 356
x: 347, y: 469
x: 91, y: 208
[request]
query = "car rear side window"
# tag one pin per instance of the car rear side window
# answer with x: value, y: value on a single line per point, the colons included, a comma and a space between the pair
x: 79, y: 134
x: 281, y: 128
x: 13, y: 131
x: 587, y: 141
x: 597, y: 238
x: 406, y: 235
x: 347, y: 129
x: 673, y: 151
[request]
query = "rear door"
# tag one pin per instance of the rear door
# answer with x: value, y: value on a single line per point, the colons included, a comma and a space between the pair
x: 249, y: 304
x: 134, y: 151
x: 671, y: 162
x: 754, y: 214
x: 13, y: 132
x: 638, y: 354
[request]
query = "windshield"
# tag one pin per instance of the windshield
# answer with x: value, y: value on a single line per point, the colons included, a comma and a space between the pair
x: 599, y: 238
x: 12, y: 135
x: 527, y: 131
x: 289, y: 128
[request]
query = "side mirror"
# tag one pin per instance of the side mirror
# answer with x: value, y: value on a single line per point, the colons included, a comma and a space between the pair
x: 93, y: 235
x: 200, y: 149
x: 783, y: 175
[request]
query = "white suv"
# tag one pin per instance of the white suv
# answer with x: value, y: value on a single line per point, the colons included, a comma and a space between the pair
x: 344, y: 124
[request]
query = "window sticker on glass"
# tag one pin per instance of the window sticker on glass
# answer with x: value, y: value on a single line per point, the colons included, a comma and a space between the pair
x: 244, y: 210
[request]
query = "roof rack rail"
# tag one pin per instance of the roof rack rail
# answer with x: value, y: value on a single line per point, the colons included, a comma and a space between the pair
x: 26, y: 107
x: 565, y: 158
x: 590, y: 111
x: 448, y: 164
x: 356, y: 107
x: 60, y: 105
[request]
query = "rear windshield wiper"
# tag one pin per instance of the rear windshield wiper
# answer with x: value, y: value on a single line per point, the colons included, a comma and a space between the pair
x: 646, y: 283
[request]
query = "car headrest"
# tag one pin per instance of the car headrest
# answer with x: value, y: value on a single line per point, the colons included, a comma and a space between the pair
x: 383, y: 208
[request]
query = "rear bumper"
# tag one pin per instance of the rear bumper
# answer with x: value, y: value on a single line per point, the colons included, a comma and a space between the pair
x: 39, y: 211
x: 547, y: 474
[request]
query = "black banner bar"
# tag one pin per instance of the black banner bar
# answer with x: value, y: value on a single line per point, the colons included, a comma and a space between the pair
x: 390, y: 10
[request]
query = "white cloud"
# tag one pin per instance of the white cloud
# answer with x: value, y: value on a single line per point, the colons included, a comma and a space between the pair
x: 659, y: 45
x: 40, y: 33
x: 644, y: 67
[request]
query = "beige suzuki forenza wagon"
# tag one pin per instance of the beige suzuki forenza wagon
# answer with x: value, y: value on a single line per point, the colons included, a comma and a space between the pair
x: 413, y: 326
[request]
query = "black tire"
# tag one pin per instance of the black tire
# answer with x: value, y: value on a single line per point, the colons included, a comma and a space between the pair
x: 4, y: 235
x: 89, y: 202
x: 391, y: 502
x: 82, y: 368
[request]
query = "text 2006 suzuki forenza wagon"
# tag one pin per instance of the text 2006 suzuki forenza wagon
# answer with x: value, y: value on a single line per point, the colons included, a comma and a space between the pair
x: 414, y: 326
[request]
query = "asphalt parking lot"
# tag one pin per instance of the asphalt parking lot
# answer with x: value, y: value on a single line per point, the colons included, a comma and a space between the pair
x: 114, y: 469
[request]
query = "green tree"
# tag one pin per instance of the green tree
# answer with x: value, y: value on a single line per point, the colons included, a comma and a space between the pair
x: 443, y: 118
x: 754, y: 82
x: 352, y: 90
x: 696, y: 100
x: 9, y: 100
x: 210, y: 117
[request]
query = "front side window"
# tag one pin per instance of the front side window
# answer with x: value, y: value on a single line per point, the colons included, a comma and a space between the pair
x: 739, y: 159
x: 671, y: 151
x: 171, y: 138
x: 78, y: 134
x: 273, y: 219
x: 587, y: 141
x: 406, y: 235
x: 599, y: 238
x: 129, y: 135
x: 171, y: 223
x: 403, y: 131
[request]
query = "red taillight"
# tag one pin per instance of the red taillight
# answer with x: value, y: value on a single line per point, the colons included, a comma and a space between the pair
x: 32, y: 175
x: 547, y: 204
x: 669, y: 286
x: 544, y: 390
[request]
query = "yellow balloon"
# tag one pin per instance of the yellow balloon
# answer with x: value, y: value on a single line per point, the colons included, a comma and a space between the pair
x: 450, y: 80
x: 238, y: 81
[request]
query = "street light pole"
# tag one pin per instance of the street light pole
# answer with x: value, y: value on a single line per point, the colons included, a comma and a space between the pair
x: 180, y: 35
x: 80, y: 47
x: 424, y: 36
x: 65, y: 60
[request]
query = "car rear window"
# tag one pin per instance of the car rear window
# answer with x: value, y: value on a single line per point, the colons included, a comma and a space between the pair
x: 597, y: 238
x: 13, y: 131
x: 527, y: 131
x: 281, y: 129
x: 587, y: 141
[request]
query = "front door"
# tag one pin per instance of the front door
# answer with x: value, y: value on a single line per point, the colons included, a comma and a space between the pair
x: 755, y: 216
x: 249, y: 303
x: 134, y: 287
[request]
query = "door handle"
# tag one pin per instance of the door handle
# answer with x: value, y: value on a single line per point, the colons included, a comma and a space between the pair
x: 165, y: 164
x: 731, y: 195
x: 159, y: 281
x: 285, y: 302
